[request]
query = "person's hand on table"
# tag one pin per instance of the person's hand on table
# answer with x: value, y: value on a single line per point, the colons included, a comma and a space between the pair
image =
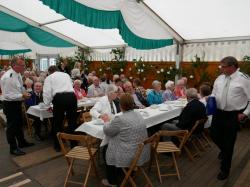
x: 105, y: 117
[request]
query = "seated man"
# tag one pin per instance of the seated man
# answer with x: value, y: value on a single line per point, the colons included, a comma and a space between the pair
x: 107, y: 105
x: 35, y: 99
x: 193, y: 111
x: 95, y: 90
x: 139, y: 100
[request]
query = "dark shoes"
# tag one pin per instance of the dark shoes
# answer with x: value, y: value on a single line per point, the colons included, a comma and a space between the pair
x: 17, y: 152
x: 25, y: 144
x: 222, y: 176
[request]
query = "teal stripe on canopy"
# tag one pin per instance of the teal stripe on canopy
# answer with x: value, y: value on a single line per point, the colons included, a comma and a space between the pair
x: 13, y: 52
x: 105, y: 20
x: 12, y: 24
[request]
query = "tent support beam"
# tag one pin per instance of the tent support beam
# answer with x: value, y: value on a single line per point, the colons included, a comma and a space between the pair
x: 157, y: 18
x: 225, y: 39
x: 50, y: 22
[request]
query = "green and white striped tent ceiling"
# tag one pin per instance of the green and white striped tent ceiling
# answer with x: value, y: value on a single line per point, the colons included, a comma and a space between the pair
x: 9, y: 48
x: 149, y: 24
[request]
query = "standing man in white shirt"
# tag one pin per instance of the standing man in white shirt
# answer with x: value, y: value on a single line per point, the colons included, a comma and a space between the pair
x: 13, y: 95
x: 232, y: 93
x: 58, y: 89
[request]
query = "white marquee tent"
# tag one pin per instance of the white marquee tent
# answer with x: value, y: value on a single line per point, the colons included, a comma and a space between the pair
x: 212, y: 29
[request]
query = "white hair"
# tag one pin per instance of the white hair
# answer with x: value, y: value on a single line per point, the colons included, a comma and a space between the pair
x: 192, y: 93
x: 169, y: 84
x: 111, y: 89
x: 156, y: 83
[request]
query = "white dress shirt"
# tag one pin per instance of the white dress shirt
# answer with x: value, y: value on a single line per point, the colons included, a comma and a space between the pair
x: 238, y: 94
x: 57, y: 82
x: 102, y: 107
x: 12, y: 86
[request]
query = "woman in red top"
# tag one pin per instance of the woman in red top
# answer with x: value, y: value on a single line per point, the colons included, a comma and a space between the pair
x: 80, y: 93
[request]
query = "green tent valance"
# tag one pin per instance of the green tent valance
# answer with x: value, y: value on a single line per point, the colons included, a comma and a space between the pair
x: 105, y: 20
x: 12, y: 24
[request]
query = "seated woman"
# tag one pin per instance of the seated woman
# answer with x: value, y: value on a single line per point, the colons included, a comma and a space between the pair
x: 126, y: 132
x: 79, y: 92
x: 138, y: 88
x: 168, y: 94
x: 155, y: 95
x: 179, y: 90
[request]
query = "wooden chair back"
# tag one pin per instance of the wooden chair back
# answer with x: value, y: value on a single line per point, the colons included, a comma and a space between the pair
x: 181, y: 135
x: 83, y: 140
x: 149, y: 141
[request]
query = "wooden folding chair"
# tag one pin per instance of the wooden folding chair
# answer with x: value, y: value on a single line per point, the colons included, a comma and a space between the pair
x: 134, y: 167
x: 86, y: 116
x: 199, y: 126
x: 84, y: 151
x: 29, y: 121
x: 169, y: 147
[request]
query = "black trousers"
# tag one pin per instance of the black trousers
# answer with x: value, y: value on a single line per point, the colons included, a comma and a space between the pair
x: 14, y: 132
x: 224, y: 132
x: 64, y: 103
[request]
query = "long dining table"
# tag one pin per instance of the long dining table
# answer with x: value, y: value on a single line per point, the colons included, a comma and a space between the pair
x: 42, y: 112
x: 152, y: 115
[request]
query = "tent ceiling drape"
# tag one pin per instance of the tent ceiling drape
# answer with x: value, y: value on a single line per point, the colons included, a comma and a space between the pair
x: 70, y: 31
x: 8, y: 48
x: 134, y: 24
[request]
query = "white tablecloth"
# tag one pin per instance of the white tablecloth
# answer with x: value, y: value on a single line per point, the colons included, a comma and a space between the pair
x: 152, y: 117
x: 37, y: 111
x: 43, y: 113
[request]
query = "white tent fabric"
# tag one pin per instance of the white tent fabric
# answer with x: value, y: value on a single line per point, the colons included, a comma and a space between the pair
x: 138, y: 21
x: 12, y: 46
x: 23, y: 39
x: 37, y: 14
x: 196, y: 19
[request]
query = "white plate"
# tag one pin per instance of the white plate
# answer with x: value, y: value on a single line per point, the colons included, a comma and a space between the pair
x: 154, y: 106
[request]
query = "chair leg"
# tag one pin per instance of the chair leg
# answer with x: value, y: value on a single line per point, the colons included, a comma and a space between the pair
x: 206, y: 139
x: 94, y: 166
x: 201, y: 144
x: 176, y: 167
x: 190, y: 156
x: 146, y: 176
x: 68, y: 172
x: 87, y: 175
x: 127, y: 177
x: 158, y: 168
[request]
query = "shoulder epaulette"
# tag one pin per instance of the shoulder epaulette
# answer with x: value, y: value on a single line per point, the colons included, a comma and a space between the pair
x: 246, y: 76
